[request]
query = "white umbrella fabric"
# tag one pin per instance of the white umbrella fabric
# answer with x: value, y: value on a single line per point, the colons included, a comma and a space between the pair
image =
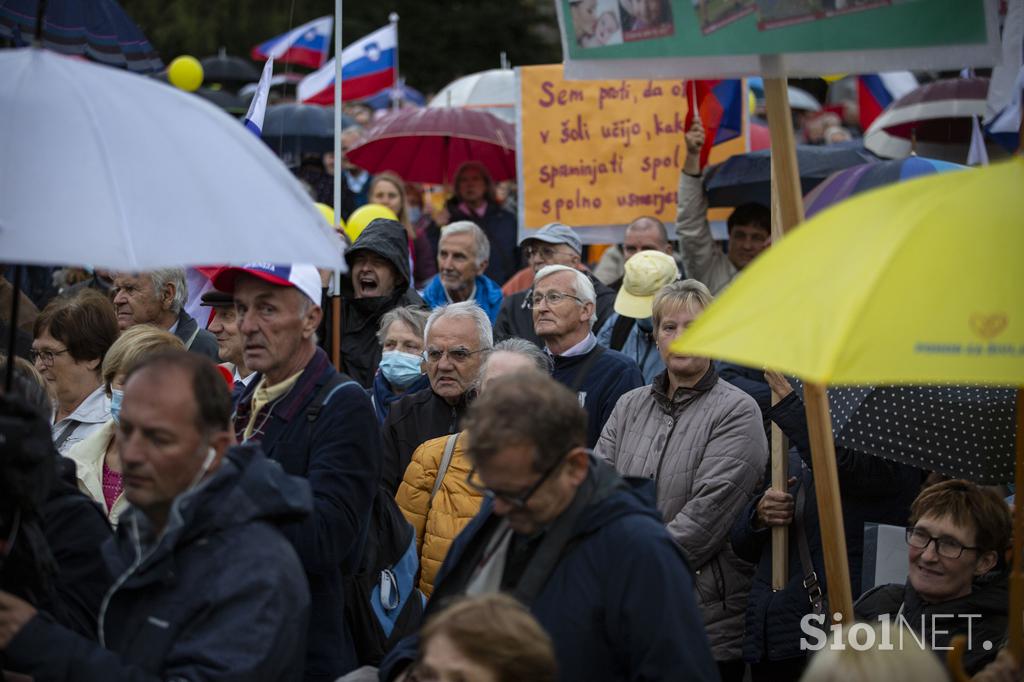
x: 102, y: 167
x: 493, y: 90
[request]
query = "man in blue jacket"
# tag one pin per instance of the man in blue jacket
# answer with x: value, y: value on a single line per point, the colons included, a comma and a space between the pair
x: 584, y: 549
x: 207, y: 585
x: 316, y: 423
x: 462, y: 257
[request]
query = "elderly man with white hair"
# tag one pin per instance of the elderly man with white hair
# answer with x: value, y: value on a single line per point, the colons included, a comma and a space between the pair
x: 158, y: 298
x: 564, y: 303
x: 462, y: 256
x: 456, y: 339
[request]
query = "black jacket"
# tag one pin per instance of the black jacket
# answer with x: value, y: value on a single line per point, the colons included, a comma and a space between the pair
x: 984, y: 610
x: 360, y: 318
x: 195, y: 339
x: 516, y: 317
x: 219, y: 595
x: 619, y: 601
x: 337, y: 452
x: 413, y: 420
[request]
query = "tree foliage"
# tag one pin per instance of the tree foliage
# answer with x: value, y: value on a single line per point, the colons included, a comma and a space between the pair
x: 438, y: 41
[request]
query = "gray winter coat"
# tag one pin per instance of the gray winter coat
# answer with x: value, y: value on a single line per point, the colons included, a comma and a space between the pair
x: 706, y: 450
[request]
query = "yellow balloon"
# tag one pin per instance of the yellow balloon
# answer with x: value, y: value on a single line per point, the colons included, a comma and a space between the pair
x: 363, y: 216
x: 186, y: 73
x: 327, y: 212
x: 752, y: 104
x: 832, y: 78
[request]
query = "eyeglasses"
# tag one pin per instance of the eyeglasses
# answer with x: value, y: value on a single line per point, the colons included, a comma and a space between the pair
x: 46, y: 356
x: 517, y: 500
x: 546, y: 252
x: 946, y: 547
x: 553, y: 298
x: 458, y: 355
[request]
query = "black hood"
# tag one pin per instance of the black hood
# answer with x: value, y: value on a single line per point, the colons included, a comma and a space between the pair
x: 386, y: 238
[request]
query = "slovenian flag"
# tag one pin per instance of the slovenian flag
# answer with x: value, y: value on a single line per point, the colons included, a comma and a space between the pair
x: 258, y: 106
x: 308, y: 45
x: 720, y: 104
x: 876, y: 91
x: 367, y: 67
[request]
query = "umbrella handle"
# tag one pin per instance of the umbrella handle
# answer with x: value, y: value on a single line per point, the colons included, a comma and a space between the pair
x: 955, y: 659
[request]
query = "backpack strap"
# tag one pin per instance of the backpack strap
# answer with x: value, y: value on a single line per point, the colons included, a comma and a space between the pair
x: 810, y: 576
x: 620, y: 331
x: 338, y: 380
x: 446, y: 459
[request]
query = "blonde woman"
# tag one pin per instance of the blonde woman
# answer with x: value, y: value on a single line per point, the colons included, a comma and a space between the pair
x: 97, y: 464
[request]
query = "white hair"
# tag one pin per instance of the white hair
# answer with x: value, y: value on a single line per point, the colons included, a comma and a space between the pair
x: 464, y: 310
x: 175, y: 276
x: 480, y: 241
x: 583, y: 287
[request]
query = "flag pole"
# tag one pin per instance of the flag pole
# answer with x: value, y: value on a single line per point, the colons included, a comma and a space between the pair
x: 336, y: 300
x: 396, y: 92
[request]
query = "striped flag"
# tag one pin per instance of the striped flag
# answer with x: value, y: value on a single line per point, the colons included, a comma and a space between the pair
x: 720, y: 103
x: 367, y: 67
x: 307, y: 45
x: 876, y: 91
x: 258, y: 106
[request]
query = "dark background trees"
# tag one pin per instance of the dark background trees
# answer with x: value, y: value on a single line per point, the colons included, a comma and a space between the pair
x: 438, y: 40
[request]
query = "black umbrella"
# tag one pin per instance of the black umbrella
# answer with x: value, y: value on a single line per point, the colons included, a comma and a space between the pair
x: 294, y: 129
x: 747, y: 177
x: 232, y: 72
x: 960, y: 431
x: 225, y: 99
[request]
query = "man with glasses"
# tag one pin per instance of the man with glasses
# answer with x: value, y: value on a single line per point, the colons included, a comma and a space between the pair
x: 553, y: 244
x: 582, y: 548
x: 563, y: 302
x: 456, y: 338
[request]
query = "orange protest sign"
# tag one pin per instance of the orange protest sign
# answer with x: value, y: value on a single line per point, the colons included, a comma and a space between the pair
x: 601, y: 153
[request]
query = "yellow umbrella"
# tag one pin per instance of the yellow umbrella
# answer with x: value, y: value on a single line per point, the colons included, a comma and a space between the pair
x: 915, y: 283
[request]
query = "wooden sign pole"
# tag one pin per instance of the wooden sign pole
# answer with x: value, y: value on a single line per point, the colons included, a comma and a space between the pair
x: 787, y: 212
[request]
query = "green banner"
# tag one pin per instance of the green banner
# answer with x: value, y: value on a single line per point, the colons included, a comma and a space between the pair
x: 726, y: 37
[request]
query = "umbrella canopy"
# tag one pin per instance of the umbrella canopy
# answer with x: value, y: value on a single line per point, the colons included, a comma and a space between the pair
x: 292, y: 130
x: 915, y: 283
x: 229, y: 71
x: 932, y: 427
x: 493, y: 91
x: 846, y: 183
x: 98, y: 29
x: 936, y: 115
x: 225, y: 99
x: 151, y: 176
x: 428, y: 145
x: 747, y: 177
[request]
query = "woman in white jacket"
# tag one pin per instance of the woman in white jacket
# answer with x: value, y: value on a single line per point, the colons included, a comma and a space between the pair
x: 97, y: 463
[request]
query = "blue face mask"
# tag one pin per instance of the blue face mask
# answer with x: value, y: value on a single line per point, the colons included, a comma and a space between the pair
x: 400, y: 369
x: 116, y: 397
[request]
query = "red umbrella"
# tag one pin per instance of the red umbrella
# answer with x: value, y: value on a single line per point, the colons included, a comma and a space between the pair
x: 429, y: 145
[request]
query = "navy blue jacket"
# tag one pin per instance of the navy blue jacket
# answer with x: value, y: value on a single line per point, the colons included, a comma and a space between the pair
x: 609, y: 376
x: 339, y: 453
x: 220, y: 596
x: 619, y: 604
x: 500, y: 227
x: 872, y: 489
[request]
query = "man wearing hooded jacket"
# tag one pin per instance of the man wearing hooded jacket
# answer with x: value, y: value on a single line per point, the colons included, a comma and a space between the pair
x: 379, y: 281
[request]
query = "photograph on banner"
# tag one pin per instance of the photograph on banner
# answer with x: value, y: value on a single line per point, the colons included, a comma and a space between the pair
x: 727, y: 35
x: 597, y: 154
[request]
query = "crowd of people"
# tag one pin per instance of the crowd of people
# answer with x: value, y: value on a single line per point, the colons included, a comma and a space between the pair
x: 510, y: 476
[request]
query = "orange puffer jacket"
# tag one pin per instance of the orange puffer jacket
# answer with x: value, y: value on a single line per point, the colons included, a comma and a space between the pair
x: 454, y: 505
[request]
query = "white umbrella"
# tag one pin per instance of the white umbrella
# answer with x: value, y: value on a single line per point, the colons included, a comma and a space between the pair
x: 103, y: 167
x: 493, y: 91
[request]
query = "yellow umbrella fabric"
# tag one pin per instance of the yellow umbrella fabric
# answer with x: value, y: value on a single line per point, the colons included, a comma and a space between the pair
x: 921, y: 282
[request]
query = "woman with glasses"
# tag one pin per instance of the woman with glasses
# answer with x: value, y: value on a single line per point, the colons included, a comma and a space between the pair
x: 71, y: 336
x: 956, y: 582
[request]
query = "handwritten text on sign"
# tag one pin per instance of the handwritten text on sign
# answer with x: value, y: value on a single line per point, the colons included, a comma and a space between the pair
x: 602, y: 152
